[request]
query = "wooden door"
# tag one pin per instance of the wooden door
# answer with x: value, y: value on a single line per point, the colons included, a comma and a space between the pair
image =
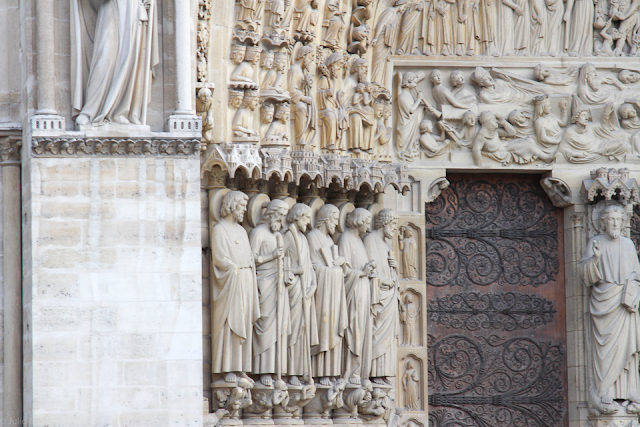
x: 496, y: 304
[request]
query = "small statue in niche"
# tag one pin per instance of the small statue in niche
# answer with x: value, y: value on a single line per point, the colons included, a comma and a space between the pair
x: 278, y: 132
x: 235, y: 98
x: 558, y: 77
x: 266, y: 63
x: 271, y: 329
x: 204, y: 109
x: 629, y: 117
x: 242, y: 126
x: 266, y: 118
x: 442, y: 95
x: 334, y: 23
x: 272, y: 83
x: 359, y: 39
x: 609, y: 268
x: 332, y: 115
x: 243, y: 75
x: 428, y: 143
x: 382, y: 134
x: 409, y: 318
x: 409, y: 249
x: 361, y: 119
x: 300, y: 82
x: 410, y: 385
x: 465, y: 28
x: 488, y: 143
x: 443, y: 27
x: 233, y: 284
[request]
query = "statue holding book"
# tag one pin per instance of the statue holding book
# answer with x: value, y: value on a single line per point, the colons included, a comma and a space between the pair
x: 610, y: 269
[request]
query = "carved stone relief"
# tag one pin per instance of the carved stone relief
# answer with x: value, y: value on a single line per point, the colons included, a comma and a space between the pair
x: 409, y: 248
x: 411, y: 318
x: 412, y: 397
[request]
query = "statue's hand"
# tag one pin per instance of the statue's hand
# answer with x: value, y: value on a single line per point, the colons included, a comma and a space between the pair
x: 596, y: 249
x: 278, y: 253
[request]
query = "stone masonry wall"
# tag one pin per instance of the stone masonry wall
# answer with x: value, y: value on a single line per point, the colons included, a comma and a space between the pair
x: 113, y: 299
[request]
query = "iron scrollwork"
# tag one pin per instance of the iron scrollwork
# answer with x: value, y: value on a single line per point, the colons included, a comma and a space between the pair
x: 508, y: 311
x: 481, y: 233
x: 495, y: 382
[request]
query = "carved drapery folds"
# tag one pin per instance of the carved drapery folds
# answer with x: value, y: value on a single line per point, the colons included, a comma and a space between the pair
x: 313, y: 329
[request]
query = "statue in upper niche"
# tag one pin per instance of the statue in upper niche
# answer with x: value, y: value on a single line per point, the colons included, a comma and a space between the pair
x: 578, y: 18
x: 410, y: 29
x: 250, y: 12
x: 609, y: 268
x: 114, y: 49
x: 300, y: 81
x: 384, y: 40
x: 334, y: 23
x: 332, y: 117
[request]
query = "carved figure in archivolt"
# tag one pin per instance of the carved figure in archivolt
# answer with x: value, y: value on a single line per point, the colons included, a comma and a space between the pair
x: 274, y: 326
x: 234, y: 299
x: 244, y: 75
x: 267, y: 112
x: 410, y: 320
x: 278, y: 133
x: 272, y: 84
x: 332, y: 116
x: 361, y: 270
x: 410, y: 113
x: 334, y: 24
x: 384, y: 40
x: 382, y: 134
x: 301, y: 285
x: 331, y: 303
x: 305, y: 13
x: 113, y: 50
x: 242, y: 125
x: 409, y: 250
x: 385, y: 297
x: 411, y: 386
x: 487, y: 143
x: 410, y: 29
x: 609, y: 269
x: 300, y: 85
x: 361, y: 118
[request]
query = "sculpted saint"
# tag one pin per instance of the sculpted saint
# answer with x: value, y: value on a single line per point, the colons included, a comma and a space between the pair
x: 273, y: 326
x: 386, y: 321
x: 111, y: 61
x: 303, y: 106
x: 331, y: 301
x: 609, y: 269
x: 409, y: 248
x: 332, y: 117
x: 384, y: 40
x: 578, y: 18
x: 410, y: 30
x: 301, y: 286
x: 234, y: 297
x: 358, y: 291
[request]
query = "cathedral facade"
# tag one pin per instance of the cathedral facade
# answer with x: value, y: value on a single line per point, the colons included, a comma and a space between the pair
x: 400, y: 213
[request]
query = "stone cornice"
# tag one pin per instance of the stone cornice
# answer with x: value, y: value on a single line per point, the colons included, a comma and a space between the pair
x: 102, y: 147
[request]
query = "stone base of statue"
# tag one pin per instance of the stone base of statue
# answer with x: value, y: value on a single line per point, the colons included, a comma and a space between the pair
x: 115, y: 130
x: 621, y: 419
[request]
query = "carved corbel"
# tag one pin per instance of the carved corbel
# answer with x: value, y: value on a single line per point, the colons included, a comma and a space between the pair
x: 436, y: 188
x: 558, y: 191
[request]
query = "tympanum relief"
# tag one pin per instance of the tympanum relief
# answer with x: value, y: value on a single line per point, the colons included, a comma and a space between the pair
x: 298, y: 320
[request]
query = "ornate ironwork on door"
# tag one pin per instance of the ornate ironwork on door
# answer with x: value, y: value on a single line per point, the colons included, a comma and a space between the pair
x: 496, y: 305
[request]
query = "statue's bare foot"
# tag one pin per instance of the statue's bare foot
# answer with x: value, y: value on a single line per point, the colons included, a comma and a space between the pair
x: 121, y: 119
x: 245, y: 376
x: 378, y: 380
x: 82, y: 120
x: 325, y: 381
x: 355, y: 379
x: 266, y: 380
x: 294, y: 380
x: 230, y: 377
x: 607, y: 399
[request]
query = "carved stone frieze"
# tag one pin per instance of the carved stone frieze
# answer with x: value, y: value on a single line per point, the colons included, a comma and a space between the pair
x: 87, y: 146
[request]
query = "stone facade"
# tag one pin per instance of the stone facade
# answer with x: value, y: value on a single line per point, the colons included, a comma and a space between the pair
x: 136, y: 137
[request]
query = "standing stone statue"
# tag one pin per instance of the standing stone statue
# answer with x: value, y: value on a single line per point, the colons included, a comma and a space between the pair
x: 386, y: 322
x: 410, y: 318
x: 301, y: 286
x: 410, y: 384
x: 303, y: 106
x: 114, y: 47
x: 410, y: 29
x: 234, y: 299
x: 609, y: 267
x: 358, y: 288
x: 409, y: 249
x: 384, y: 40
x: 331, y: 301
x: 273, y: 326
x: 331, y: 116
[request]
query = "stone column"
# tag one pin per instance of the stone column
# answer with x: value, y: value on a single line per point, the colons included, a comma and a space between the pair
x: 184, y: 118
x: 47, y: 119
x: 12, y: 381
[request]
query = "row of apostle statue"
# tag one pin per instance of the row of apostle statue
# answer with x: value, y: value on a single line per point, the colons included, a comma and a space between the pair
x: 287, y: 303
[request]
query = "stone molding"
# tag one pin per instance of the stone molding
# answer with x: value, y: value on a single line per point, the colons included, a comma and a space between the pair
x: 10, y: 148
x: 136, y: 147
